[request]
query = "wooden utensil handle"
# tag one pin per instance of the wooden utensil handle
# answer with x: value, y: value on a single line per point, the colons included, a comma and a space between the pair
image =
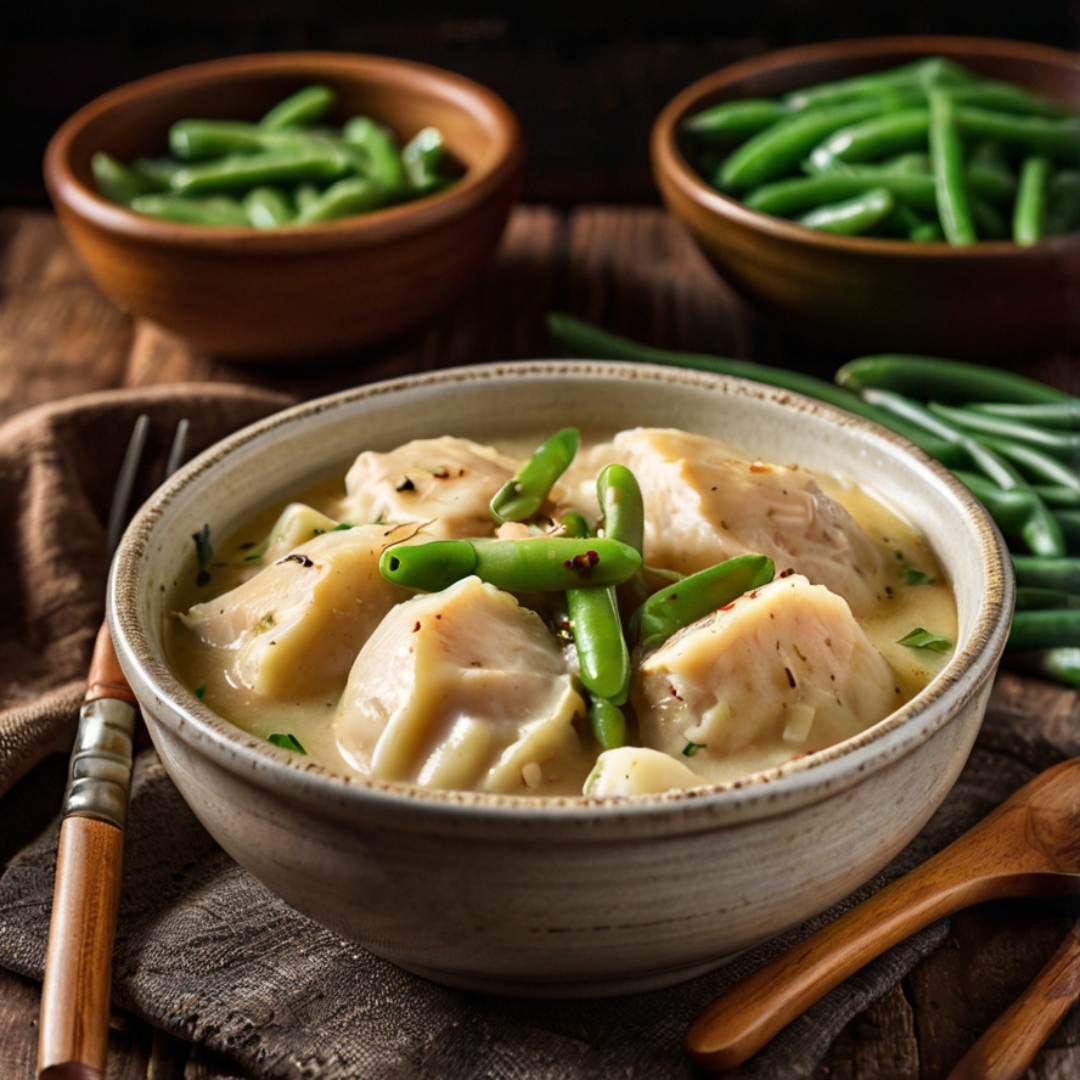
x: 1007, y: 1048
x: 76, y: 993
x: 744, y: 1018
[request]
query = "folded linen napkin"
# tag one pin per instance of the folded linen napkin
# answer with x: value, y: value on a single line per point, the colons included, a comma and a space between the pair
x: 204, y: 951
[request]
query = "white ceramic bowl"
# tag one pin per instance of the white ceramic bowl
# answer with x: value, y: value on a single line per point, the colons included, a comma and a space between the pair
x: 560, y: 897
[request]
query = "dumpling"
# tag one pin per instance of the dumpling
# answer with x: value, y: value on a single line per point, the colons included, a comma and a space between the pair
x: 464, y: 689
x: 783, y: 670
x: 295, y: 628
x: 706, y: 502
x: 638, y: 770
x: 446, y: 483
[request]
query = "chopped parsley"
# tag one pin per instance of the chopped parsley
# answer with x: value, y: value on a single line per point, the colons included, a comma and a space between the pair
x: 691, y: 748
x: 200, y: 691
x: 286, y: 742
x: 910, y: 574
x: 923, y: 639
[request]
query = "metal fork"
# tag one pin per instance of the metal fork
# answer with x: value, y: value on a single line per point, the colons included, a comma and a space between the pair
x: 76, y: 994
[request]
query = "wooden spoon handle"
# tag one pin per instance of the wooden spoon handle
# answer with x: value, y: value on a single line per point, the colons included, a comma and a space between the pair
x: 76, y: 994
x: 1008, y: 1047
x: 744, y: 1018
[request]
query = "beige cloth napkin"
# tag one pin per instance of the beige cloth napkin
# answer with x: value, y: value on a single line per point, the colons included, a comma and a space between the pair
x: 206, y: 952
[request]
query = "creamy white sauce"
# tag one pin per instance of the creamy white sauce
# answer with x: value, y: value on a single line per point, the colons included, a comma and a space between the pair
x: 212, y: 672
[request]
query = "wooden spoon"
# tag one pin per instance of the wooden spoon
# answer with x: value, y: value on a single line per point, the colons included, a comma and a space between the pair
x: 1007, y: 1048
x: 1028, y: 846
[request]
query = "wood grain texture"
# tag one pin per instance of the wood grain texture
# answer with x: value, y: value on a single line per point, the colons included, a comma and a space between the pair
x: 635, y: 271
x: 75, y: 1008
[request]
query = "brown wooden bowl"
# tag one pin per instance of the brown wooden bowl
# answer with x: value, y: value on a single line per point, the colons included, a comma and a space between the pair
x: 271, y: 295
x: 856, y: 294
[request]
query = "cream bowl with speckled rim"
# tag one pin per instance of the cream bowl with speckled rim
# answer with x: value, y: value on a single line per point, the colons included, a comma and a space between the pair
x: 569, y: 896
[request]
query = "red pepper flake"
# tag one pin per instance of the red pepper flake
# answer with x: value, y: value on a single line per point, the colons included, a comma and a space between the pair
x: 583, y: 564
x: 416, y: 626
x: 790, y: 677
x: 674, y: 693
x: 442, y: 473
x: 786, y: 573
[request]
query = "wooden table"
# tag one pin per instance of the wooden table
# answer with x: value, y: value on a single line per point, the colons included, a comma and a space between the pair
x: 632, y: 270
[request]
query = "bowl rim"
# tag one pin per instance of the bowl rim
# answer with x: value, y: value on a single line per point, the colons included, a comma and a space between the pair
x: 669, y: 164
x: 770, y: 791
x: 504, y: 157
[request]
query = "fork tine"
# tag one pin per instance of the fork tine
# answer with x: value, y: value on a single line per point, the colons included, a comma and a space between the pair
x: 125, y: 484
x: 178, y: 448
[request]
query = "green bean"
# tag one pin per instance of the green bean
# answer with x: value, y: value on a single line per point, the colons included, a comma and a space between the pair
x: 686, y: 601
x: 215, y: 210
x: 237, y: 172
x: 1029, y: 598
x: 784, y: 197
x: 344, y: 198
x: 1069, y: 520
x: 912, y: 412
x: 994, y: 184
x: 1005, y: 97
x: 596, y: 625
x: 1063, y: 202
x: 734, y: 119
x: 945, y: 380
x: 116, y: 181
x: 379, y: 146
x: 919, y: 74
x: 199, y: 140
x: 603, y: 656
x: 947, y: 157
x: 1057, y: 496
x: 989, y: 224
x: 1057, y: 415
x: 873, y: 137
x: 1036, y: 464
x: 574, y: 524
x: 1044, y: 629
x: 267, y: 208
x: 622, y: 510
x: 1029, y: 213
x: 1057, y: 138
x: 1018, y: 511
x: 585, y: 340
x: 1059, y: 444
x: 304, y: 107
x: 421, y: 159
x: 771, y: 152
x: 929, y: 232
x: 608, y: 724
x: 1062, y: 573
x: 524, y: 493
x: 1060, y: 664
x: 852, y: 217
x: 538, y: 564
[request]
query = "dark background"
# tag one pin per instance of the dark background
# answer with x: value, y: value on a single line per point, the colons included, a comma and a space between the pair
x: 586, y: 79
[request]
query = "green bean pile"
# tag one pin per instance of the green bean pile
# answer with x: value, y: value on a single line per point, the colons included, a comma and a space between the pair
x: 284, y: 170
x: 928, y: 151
x: 586, y: 569
x: 1013, y: 441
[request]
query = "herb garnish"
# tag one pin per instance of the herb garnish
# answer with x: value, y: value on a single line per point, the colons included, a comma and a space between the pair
x: 923, y: 639
x: 691, y: 748
x: 204, y: 552
x: 286, y: 742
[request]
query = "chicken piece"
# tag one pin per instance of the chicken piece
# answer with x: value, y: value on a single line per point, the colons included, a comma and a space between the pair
x: 296, y: 626
x: 464, y: 689
x: 638, y: 770
x: 445, y: 482
x: 295, y: 525
x: 783, y: 670
x: 705, y: 502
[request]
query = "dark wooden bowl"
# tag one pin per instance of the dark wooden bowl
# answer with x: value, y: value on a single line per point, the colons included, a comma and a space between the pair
x: 854, y: 294
x: 260, y: 295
